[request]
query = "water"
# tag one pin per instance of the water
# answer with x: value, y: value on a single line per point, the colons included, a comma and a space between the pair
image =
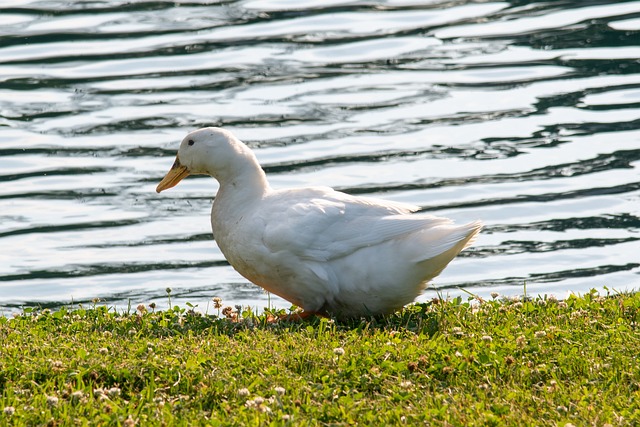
x: 523, y: 114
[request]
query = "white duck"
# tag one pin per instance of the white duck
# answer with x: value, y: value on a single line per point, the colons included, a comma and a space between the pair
x: 325, y: 251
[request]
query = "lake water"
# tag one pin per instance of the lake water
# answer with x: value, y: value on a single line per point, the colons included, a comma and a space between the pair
x: 523, y: 114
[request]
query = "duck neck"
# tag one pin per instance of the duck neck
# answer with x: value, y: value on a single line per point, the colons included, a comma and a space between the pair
x: 242, y: 184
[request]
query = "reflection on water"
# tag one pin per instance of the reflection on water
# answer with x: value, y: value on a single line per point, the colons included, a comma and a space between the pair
x: 523, y: 114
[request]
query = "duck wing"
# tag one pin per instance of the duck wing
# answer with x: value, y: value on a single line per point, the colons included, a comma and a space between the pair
x: 321, y: 225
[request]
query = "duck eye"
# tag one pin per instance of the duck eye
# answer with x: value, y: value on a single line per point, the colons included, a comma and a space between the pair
x: 191, y: 142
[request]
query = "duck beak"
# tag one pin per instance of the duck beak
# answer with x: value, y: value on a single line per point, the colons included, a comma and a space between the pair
x: 174, y: 176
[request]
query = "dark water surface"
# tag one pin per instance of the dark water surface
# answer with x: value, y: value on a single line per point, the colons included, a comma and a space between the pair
x: 523, y: 114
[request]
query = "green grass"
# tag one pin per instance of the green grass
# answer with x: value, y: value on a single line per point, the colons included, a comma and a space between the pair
x: 462, y: 363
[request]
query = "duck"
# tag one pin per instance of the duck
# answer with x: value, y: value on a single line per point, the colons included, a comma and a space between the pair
x: 330, y: 253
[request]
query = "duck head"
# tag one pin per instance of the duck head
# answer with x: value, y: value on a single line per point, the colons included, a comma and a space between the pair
x: 207, y: 151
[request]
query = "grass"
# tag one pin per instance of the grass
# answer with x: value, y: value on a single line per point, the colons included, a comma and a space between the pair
x: 462, y: 363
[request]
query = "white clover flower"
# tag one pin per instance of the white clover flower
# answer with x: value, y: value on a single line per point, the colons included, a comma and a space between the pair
x: 52, y: 401
x: 406, y: 384
x: 243, y: 392
x: 540, y: 334
x: 487, y: 338
x: 280, y: 391
x: 9, y: 410
x: 114, y: 391
x: 77, y: 396
x: 338, y: 351
x: 494, y: 295
x: 103, y: 350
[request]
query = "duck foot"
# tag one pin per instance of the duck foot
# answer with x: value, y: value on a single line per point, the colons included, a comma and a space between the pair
x: 299, y: 316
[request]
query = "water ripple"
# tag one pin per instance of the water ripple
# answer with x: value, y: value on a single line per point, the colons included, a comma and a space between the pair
x: 525, y: 115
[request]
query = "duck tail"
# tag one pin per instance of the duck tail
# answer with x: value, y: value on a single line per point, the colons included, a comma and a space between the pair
x: 474, y: 229
x: 446, y: 245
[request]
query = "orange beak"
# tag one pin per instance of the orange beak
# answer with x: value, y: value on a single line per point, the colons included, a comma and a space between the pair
x: 176, y: 174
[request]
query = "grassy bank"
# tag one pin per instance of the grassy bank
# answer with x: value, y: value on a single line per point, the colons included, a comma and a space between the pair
x: 499, y: 362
